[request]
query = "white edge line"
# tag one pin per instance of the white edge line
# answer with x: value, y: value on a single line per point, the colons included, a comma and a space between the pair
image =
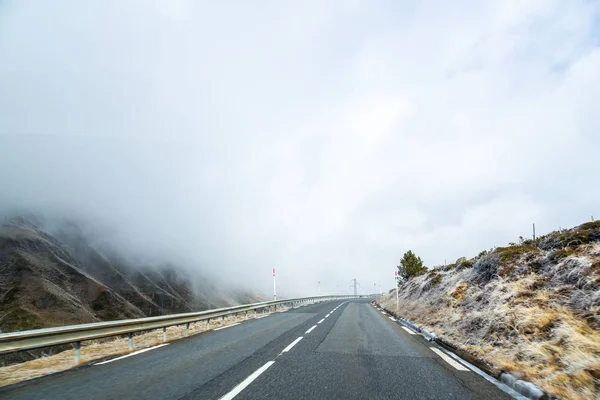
x: 228, y: 326
x: 311, y: 329
x: 291, y: 345
x: 262, y: 316
x: 449, y: 360
x: 408, y: 330
x: 392, y: 318
x: 131, y: 354
x: 500, y: 385
x: 321, y: 321
x: 242, y: 385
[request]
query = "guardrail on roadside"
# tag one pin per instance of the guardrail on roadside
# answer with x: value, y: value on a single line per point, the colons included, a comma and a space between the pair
x: 75, y: 334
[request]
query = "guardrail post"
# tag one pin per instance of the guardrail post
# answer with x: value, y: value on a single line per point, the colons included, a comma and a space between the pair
x: 246, y: 315
x: 208, y: 323
x: 255, y: 313
x: 130, y: 341
x: 187, y: 329
x: 77, y: 346
x: 164, y: 334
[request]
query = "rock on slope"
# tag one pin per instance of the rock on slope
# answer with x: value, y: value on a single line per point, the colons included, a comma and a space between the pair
x: 531, y: 309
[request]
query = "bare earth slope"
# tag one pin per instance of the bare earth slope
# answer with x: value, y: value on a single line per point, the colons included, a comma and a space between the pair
x: 531, y: 309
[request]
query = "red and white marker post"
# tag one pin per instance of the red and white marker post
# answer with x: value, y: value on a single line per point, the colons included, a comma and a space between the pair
x: 397, y: 298
x: 274, y: 286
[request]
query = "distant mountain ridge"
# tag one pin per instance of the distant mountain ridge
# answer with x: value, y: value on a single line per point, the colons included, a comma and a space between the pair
x: 61, y: 278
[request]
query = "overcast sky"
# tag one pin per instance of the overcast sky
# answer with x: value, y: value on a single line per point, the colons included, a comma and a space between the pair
x: 321, y: 138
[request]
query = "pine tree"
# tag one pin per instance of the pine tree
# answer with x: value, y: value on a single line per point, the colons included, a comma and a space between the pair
x: 410, y: 265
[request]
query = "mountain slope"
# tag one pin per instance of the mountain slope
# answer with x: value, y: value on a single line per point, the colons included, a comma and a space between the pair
x: 42, y: 285
x: 154, y: 290
x: 531, y: 309
x: 63, y: 277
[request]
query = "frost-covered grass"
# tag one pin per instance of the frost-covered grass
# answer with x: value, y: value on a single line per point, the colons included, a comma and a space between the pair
x: 530, y: 311
x: 99, y: 349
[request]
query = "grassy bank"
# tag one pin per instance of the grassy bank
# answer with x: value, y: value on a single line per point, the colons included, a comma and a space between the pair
x: 531, y: 309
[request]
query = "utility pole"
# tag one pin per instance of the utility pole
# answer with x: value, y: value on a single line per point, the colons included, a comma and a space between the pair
x: 374, y: 288
x: 274, y: 286
x: 534, y: 231
x: 355, y: 284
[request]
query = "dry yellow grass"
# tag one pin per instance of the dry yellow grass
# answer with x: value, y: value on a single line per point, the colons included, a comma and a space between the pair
x: 100, y: 349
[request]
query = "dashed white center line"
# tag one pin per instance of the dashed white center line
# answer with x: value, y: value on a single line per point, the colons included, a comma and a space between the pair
x: 450, y: 361
x: 228, y: 326
x: 237, y: 390
x: 383, y: 313
x: 292, y: 345
x: 408, y: 330
x: 311, y: 329
x: 321, y: 321
x: 132, y: 354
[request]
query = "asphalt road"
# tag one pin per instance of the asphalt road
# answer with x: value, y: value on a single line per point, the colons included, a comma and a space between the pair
x: 333, y: 350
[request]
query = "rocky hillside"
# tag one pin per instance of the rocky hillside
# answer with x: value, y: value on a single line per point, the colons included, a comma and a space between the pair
x: 531, y: 308
x: 62, y: 278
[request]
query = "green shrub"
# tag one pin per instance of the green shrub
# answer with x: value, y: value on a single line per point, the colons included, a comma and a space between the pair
x: 463, y: 263
x: 563, y: 253
x: 449, y: 267
x: 512, y: 253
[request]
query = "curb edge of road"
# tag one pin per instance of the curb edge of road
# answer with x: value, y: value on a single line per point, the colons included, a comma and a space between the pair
x: 524, y: 388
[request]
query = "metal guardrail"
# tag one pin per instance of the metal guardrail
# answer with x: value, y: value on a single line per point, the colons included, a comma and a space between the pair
x: 37, y: 338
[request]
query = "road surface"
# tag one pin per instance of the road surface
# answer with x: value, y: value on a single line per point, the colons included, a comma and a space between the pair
x: 333, y: 350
